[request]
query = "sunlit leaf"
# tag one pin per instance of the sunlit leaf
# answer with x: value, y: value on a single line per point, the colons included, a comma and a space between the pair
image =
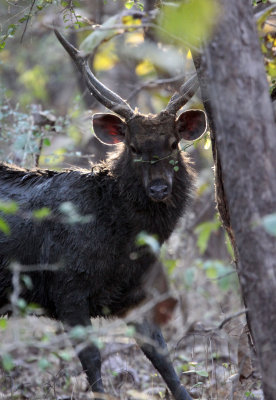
x: 47, y: 142
x: 170, y: 265
x: 189, y: 22
x: 11, y: 30
x: 130, y: 20
x: 189, y: 55
x: 145, y: 68
x: 4, y: 227
x: 41, y: 213
x: 105, y: 58
x: 202, y: 188
x: 229, y: 246
x: 129, y: 4
x: 271, y: 69
x: 207, y: 143
x: 8, y: 207
x: 53, y: 159
x: 145, y: 239
x: 212, y: 272
x: 204, y: 231
x: 35, y: 81
x: 94, y: 39
x: 134, y: 38
x: 3, y: 323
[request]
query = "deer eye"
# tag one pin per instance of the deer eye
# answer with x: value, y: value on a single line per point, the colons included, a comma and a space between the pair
x: 174, y: 145
x: 132, y: 148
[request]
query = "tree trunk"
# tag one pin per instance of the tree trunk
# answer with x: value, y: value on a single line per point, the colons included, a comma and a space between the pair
x: 234, y: 85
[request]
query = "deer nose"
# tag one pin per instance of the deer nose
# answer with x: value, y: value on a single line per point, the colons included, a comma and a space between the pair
x: 158, y: 191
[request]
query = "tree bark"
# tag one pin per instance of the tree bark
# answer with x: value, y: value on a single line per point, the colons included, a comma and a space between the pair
x: 234, y: 85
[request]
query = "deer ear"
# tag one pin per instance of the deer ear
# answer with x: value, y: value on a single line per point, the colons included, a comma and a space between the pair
x: 109, y: 128
x: 191, y: 124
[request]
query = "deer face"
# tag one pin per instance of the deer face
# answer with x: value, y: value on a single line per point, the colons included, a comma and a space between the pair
x: 151, y: 144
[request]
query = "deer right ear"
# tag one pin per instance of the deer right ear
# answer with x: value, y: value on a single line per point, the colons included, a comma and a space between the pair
x: 191, y: 124
x: 109, y: 128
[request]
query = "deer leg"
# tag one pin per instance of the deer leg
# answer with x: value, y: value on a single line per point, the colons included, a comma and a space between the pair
x: 90, y: 359
x: 152, y: 343
x: 89, y: 355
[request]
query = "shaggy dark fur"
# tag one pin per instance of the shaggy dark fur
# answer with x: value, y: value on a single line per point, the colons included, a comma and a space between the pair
x: 93, y: 257
x: 99, y: 269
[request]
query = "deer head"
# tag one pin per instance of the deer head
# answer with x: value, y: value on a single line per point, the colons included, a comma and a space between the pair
x: 150, y: 141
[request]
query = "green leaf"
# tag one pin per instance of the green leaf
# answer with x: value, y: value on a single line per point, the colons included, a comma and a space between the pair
x: 3, y: 323
x: 64, y: 355
x: 229, y: 246
x: 212, y: 272
x: 4, y: 227
x: 94, y: 39
x: 7, y: 362
x: 27, y: 281
x: 26, y: 16
x: 269, y: 224
x: 41, y: 213
x: 204, y: 231
x: 47, y: 142
x: 170, y: 265
x: 11, y: 30
x: 43, y: 364
x: 144, y: 238
x: 129, y: 4
x: 78, y: 332
x: 130, y: 331
x: 189, y: 22
x: 8, y: 207
x: 21, y: 304
x: 202, y: 373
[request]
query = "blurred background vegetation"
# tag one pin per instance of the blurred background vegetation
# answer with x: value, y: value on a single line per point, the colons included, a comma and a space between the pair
x: 141, y: 50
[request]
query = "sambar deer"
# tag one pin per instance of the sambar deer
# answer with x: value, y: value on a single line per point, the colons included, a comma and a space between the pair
x: 144, y: 187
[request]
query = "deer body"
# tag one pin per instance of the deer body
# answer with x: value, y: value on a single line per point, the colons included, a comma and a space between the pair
x: 99, y: 269
x: 118, y: 209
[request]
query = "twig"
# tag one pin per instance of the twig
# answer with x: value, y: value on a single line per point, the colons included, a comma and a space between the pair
x: 38, y: 154
x: 155, y: 83
x: 27, y: 21
x: 227, y: 319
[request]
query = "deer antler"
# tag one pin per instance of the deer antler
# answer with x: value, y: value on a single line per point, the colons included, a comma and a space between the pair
x: 112, y: 100
x: 104, y: 95
x: 186, y: 92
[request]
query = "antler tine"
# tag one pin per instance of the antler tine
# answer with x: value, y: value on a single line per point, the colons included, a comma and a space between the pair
x: 104, y: 95
x: 186, y: 92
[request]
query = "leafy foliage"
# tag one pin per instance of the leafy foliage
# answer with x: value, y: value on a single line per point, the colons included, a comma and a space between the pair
x: 189, y: 23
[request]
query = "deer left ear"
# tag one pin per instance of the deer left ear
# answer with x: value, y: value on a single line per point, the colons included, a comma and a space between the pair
x: 109, y: 128
x: 191, y: 124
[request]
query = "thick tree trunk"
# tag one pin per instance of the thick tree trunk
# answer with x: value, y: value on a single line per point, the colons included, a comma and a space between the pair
x: 236, y: 94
